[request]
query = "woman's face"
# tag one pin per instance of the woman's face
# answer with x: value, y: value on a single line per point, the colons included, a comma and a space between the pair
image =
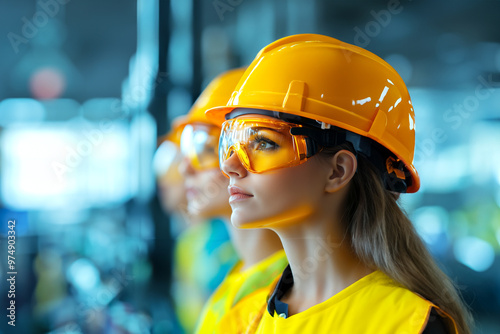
x: 171, y: 189
x: 170, y: 182
x: 275, y: 198
x: 206, y: 189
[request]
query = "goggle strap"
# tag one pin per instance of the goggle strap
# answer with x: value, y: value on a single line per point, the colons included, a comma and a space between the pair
x: 390, y: 169
x: 316, y: 138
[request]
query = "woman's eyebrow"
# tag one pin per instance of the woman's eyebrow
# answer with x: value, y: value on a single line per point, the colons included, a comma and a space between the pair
x: 257, y: 129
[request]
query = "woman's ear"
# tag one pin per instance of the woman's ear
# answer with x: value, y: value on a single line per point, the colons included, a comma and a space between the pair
x: 343, y: 167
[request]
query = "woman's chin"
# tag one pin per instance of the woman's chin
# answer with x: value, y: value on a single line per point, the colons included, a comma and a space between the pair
x: 209, y: 210
x: 281, y: 219
x: 239, y: 221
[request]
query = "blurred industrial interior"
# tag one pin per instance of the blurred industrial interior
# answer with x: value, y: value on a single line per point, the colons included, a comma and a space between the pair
x: 87, y: 87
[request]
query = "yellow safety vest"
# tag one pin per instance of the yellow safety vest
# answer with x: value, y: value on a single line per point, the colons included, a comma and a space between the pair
x: 237, y: 285
x: 373, y: 304
x: 203, y: 257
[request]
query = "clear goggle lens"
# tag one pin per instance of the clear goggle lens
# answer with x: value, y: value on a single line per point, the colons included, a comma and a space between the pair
x: 199, y: 145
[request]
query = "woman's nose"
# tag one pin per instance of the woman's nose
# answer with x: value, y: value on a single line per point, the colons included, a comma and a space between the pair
x: 233, y: 167
x: 186, y: 167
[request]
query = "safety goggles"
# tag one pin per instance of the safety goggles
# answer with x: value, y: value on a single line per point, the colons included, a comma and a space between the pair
x: 199, y: 145
x: 262, y: 144
x: 166, y: 162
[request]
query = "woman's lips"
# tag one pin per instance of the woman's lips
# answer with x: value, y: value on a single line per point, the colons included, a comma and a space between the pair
x: 237, y: 194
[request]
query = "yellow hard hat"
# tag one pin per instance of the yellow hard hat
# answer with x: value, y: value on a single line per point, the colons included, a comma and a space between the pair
x: 336, y: 83
x: 216, y: 94
x: 201, y: 145
x: 174, y: 135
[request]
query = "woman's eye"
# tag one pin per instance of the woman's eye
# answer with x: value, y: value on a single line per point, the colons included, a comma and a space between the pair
x: 264, y: 144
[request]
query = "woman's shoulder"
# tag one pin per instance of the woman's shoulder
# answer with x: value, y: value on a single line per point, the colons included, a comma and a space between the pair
x: 396, y: 298
x: 391, y: 294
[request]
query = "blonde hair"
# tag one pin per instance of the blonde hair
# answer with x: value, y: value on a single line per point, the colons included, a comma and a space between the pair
x: 383, y: 237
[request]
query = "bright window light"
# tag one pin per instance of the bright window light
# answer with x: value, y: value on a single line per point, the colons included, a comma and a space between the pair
x: 56, y: 165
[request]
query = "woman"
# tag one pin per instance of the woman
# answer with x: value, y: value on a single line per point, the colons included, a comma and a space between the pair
x: 318, y: 142
x: 203, y: 251
x: 260, y: 251
x: 170, y: 183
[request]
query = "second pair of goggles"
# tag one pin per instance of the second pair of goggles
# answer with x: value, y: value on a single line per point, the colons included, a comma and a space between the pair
x: 199, y: 145
x: 265, y: 144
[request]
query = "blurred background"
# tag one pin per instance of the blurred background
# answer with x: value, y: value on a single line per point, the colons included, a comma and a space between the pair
x: 86, y: 87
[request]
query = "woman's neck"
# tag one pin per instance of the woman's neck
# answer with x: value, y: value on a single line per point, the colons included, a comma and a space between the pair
x: 253, y: 245
x: 322, y: 263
